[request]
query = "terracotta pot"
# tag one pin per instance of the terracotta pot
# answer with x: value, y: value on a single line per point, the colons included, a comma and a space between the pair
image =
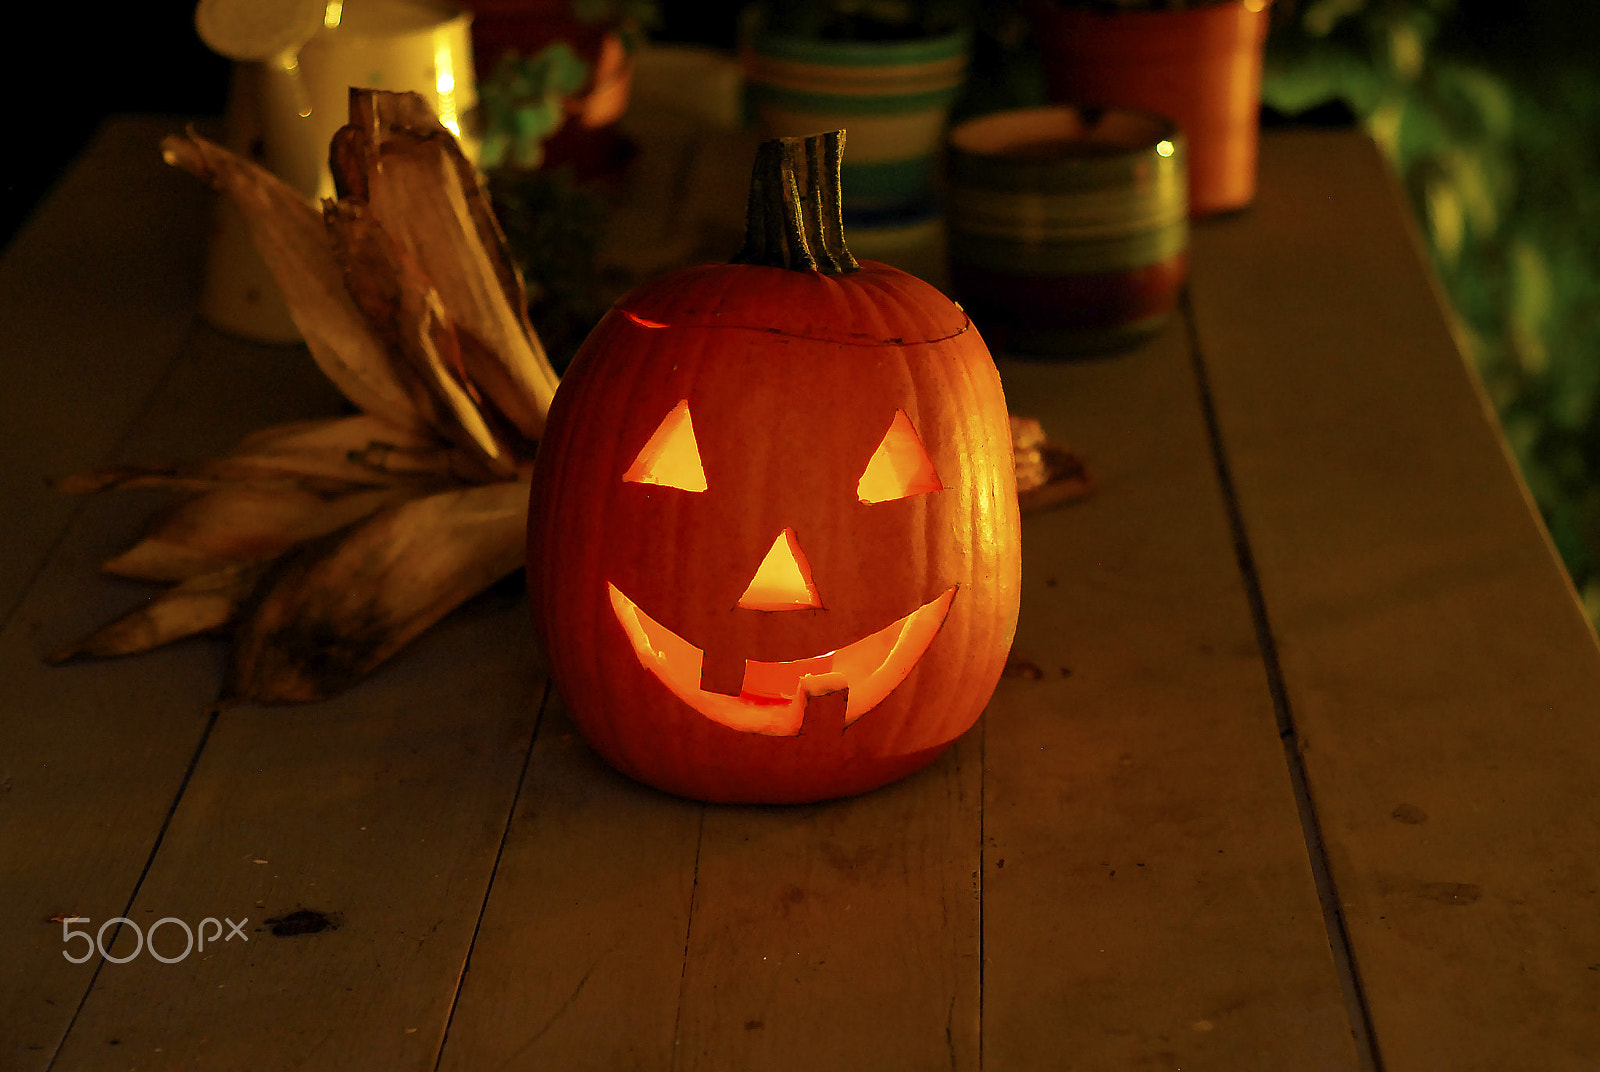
x: 1200, y: 66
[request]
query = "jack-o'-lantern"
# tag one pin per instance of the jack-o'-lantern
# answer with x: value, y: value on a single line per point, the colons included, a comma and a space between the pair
x: 773, y: 535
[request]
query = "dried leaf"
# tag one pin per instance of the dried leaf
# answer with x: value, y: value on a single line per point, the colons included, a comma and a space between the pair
x: 327, y: 457
x: 339, y: 608
x: 405, y: 310
x: 198, y: 605
x: 239, y: 523
x: 1048, y: 473
x: 377, y: 525
x: 350, y: 434
x: 215, y: 473
x: 289, y: 234
x: 396, y: 159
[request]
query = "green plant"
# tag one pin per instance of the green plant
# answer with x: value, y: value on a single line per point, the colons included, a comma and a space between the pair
x: 523, y: 102
x: 1498, y: 157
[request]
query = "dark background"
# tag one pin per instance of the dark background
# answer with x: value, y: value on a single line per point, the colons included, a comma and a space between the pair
x: 147, y: 58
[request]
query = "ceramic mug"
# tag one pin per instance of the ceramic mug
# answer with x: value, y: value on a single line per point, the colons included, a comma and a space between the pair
x: 1068, y: 227
x: 284, y: 111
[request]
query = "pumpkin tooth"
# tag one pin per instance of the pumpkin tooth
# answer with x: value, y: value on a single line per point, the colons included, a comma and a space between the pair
x: 338, y: 608
x: 825, y: 713
x: 199, y: 604
x: 723, y: 672
x: 291, y: 238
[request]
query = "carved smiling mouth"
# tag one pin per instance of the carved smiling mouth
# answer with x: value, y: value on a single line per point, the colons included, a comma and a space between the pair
x: 772, y: 698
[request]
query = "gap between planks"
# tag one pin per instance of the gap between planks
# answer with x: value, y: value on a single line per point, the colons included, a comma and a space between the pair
x: 1327, y: 893
x: 505, y: 832
x: 133, y: 894
x: 118, y: 450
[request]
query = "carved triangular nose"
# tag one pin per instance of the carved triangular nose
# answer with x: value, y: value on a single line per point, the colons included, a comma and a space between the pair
x: 783, y: 580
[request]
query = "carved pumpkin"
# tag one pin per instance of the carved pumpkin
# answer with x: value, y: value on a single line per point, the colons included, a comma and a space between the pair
x: 773, y: 535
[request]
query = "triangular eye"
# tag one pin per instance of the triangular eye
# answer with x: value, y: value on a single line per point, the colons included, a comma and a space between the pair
x: 671, y: 457
x: 899, y: 467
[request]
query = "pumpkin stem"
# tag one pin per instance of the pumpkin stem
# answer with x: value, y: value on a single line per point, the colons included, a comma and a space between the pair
x: 793, y: 219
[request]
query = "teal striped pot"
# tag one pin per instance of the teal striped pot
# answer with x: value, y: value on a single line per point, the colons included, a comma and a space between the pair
x: 1068, y: 227
x: 892, y: 99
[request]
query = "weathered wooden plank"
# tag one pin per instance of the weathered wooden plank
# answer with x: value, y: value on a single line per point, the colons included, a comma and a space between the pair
x: 840, y: 935
x: 579, y: 958
x: 1147, y: 896
x: 1442, y: 678
x: 95, y: 296
x: 383, y: 810
x: 377, y: 817
x: 91, y: 759
x: 92, y: 756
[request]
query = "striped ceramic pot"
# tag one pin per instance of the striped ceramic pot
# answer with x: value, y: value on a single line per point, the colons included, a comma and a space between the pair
x: 1068, y: 227
x: 892, y: 99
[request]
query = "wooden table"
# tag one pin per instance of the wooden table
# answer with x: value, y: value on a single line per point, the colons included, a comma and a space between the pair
x: 1304, y: 774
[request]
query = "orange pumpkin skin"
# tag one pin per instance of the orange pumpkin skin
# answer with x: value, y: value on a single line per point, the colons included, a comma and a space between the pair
x: 792, y: 379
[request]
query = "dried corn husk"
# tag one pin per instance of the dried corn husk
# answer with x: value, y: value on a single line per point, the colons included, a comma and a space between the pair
x: 338, y: 609
x: 1048, y: 473
x: 327, y: 545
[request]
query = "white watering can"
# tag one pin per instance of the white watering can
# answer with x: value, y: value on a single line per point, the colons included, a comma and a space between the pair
x: 295, y: 61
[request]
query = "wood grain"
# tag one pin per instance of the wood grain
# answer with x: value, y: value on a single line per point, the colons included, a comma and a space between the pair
x: 95, y: 299
x: 1148, y: 900
x: 373, y: 821
x: 1109, y: 872
x: 92, y: 756
x: 579, y: 957
x: 1439, y: 671
x: 840, y: 935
